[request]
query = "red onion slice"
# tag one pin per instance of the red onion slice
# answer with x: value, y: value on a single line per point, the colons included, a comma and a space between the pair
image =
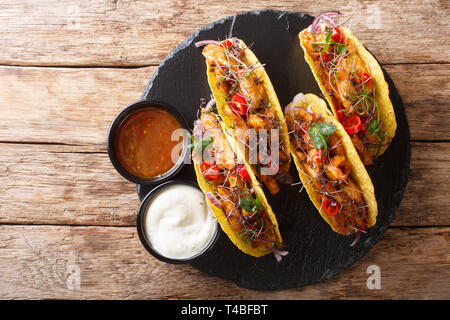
x: 198, y: 129
x: 327, y: 17
x: 279, y: 254
x: 329, y: 20
x: 213, y: 200
x: 206, y: 42
x: 211, y: 103
x: 358, y: 235
x: 234, y: 41
x: 299, y: 97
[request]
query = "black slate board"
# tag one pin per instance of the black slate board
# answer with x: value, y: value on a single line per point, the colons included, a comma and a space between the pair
x: 316, y: 253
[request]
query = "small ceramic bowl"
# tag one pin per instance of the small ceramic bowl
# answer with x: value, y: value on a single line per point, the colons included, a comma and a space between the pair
x: 140, y: 224
x: 112, y: 134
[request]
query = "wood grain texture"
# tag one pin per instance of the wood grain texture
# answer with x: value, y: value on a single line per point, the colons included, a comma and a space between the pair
x: 53, y: 184
x: 48, y: 184
x: 127, y: 32
x: 425, y: 201
x: 76, y: 106
x: 425, y: 91
x: 36, y: 263
x: 63, y: 205
x: 72, y: 106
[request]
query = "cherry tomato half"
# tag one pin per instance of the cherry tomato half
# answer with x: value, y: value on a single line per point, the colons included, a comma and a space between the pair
x: 365, y: 78
x: 352, y: 125
x: 318, y: 156
x: 206, y: 164
x: 239, y: 104
x: 325, y: 58
x: 340, y: 114
x: 226, y: 43
x: 331, y: 207
x: 243, y: 173
x: 209, y: 170
x: 336, y: 36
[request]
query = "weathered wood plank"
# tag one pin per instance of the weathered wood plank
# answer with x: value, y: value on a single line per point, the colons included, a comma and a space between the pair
x: 425, y: 201
x: 126, y: 32
x: 425, y: 90
x: 76, y: 106
x: 59, y: 105
x: 41, y: 262
x: 52, y: 184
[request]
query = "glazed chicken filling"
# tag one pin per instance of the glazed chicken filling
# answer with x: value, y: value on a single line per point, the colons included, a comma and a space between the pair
x: 350, y: 85
x: 327, y: 169
x: 247, y: 106
x: 233, y: 191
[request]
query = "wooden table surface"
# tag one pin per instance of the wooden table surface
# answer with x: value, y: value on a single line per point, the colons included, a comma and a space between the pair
x: 68, y: 67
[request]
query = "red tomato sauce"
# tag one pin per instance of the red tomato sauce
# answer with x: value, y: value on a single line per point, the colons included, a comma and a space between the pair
x: 144, y: 146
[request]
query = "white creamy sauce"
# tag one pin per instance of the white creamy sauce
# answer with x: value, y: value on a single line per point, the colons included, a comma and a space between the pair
x: 178, y: 222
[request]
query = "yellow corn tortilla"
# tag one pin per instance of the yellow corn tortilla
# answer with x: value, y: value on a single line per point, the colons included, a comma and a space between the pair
x: 387, y: 115
x: 220, y: 215
x: 358, y: 171
x: 221, y: 101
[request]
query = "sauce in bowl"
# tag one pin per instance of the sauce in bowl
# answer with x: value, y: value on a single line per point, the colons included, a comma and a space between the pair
x: 144, y: 146
x: 177, y: 221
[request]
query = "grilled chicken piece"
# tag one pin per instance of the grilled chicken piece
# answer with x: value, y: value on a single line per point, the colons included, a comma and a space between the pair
x: 363, y: 152
x: 256, y: 122
x: 270, y: 183
x: 338, y: 169
x: 248, y: 82
x: 353, y: 191
x: 253, y: 91
x: 224, y: 155
x: 215, y: 56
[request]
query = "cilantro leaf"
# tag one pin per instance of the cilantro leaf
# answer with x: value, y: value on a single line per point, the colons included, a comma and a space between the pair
x: 326, y: 129
x: 251, y: 205
x: 318, y: 133
x: 201, y: 144
x: 317, y: 138
x: 258, y: 205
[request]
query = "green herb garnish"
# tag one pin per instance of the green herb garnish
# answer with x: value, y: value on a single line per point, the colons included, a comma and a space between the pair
x: 335, y: 76
x: 318, y: 132
x: 327, y: 41
x: 251, y: 205
x: 341, y: 48
x: 373, y: 127
x: 201, y: 144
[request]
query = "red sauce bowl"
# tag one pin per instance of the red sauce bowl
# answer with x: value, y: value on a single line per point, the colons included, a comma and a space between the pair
x: 130, y: 146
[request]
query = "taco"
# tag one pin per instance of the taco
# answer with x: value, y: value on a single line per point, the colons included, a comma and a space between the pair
x: 353, y: 83
x: 247, y: 103
x: 233, y: 193
x: 329, y: 166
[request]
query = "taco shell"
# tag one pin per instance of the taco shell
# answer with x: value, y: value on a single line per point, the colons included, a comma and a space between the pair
x: 358, y: 171
x: 384, y: 103
x: 220, y: 215
x: 221, y: 100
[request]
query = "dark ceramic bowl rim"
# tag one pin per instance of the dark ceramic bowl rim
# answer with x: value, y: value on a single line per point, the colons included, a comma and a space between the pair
x: 124, y: 114
x: 140, y: 225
